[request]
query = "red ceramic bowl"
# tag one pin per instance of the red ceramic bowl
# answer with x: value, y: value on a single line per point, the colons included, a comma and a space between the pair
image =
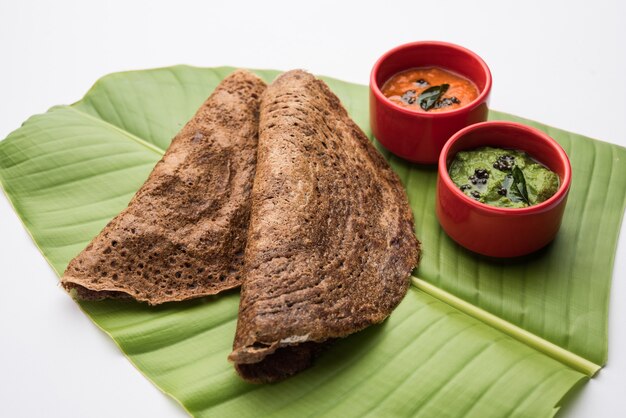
x: 494, y: 231
x: 416, y: 136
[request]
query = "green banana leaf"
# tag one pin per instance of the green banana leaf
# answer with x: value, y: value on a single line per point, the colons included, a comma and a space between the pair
x: 69, y: 171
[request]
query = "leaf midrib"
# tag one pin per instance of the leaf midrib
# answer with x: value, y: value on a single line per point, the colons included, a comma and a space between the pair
x: 116, y: 128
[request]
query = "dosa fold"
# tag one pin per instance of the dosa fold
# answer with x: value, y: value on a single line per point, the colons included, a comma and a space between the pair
x: 330, y: 242
x: 184, y: 232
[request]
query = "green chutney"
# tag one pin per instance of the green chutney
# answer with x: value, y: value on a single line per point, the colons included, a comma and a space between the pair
x: 502, y: 177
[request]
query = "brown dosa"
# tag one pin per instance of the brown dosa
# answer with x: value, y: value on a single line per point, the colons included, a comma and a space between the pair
x: 183, y: 234
x: 330, y: 243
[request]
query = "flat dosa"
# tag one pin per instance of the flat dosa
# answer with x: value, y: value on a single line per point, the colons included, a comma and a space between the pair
x: 330, y: 242
x: 183, y: 234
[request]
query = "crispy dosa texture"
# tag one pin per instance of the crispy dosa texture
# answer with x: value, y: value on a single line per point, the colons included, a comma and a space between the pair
x: 330, y: 243
x: 183, y: 234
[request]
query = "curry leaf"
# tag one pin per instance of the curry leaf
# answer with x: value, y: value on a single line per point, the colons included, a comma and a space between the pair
x: 518, y: 185
x: 428, y: 98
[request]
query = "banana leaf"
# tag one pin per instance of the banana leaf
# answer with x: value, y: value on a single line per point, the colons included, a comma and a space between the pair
x: 464, y: 347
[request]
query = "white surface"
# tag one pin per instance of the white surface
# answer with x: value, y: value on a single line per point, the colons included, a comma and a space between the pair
x: 560, y: 62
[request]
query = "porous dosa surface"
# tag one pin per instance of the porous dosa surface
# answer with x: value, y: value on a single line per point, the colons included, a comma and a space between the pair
x: 184, y: 232
x: 331, y: 242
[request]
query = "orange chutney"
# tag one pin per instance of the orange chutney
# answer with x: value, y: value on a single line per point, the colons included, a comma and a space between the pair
x: 429, y: 89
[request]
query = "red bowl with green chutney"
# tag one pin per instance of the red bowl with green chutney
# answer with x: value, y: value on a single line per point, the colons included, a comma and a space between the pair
x: 408, y: 132
x: 500, y: 231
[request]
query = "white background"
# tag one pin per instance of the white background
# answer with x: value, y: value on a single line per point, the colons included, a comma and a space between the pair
x: 559, y: 62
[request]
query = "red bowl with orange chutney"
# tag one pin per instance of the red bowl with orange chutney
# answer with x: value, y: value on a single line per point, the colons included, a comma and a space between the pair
x: 422, y: 93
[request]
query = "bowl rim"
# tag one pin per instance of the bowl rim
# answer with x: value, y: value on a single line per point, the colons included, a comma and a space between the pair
x: 529, y: 131
x: 472, y: 105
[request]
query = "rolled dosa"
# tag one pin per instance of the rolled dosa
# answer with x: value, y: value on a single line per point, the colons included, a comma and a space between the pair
x: 330, y: 242
x: 184, y: 232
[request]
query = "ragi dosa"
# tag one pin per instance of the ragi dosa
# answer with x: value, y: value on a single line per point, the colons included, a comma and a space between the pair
x: 330, y: 242
x: 184, y: 232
